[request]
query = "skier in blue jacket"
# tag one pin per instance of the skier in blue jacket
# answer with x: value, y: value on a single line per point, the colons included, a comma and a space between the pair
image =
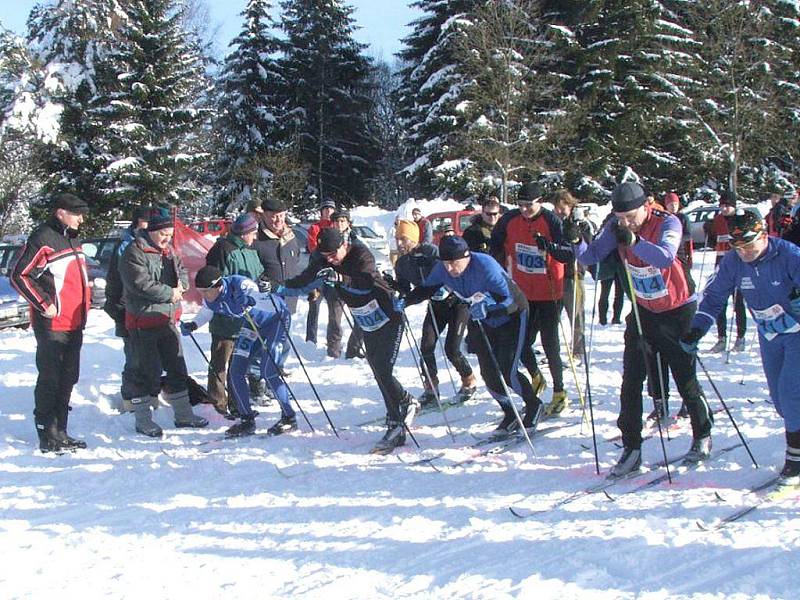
x: 239, y: 297
x: 766, y: 270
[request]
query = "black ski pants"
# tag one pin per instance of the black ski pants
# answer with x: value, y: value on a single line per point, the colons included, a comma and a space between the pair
x: 155, y: 350
x: 58, y: 358
x: 740, y: 313
x: 544, y: 317
x: 381, y: 347
x: 605, y: 292
x: 662, y: 332
x: 451, y: 315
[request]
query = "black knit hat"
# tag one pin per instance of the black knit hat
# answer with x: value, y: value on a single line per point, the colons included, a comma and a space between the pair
x: 530, y: 192
x: 627, y: 196
x: 208, y: 277
x: 273, y: 205
x: 70, y: 203
x: 453, y: 247
x: 727, y: 197
x: 330, y: 240
x: 160, y: 218
x: 340, y: 213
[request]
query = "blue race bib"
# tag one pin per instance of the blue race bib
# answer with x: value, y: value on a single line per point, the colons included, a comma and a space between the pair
x: 774, y: 320
x: 648, y: 282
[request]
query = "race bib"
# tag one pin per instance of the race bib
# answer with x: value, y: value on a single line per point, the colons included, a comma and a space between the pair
x: 648, y: 282
x: 370, y: 317
x: 723, y: 239
x: 244, y: 344
x: 774, y: 320
x: 530, y: 260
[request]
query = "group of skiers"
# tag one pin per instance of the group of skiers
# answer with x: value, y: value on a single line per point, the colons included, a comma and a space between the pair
x: 496, y: 288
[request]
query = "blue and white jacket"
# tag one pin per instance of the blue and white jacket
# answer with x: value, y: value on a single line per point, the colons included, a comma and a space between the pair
x: 240, y: 294
x: 766, y: 285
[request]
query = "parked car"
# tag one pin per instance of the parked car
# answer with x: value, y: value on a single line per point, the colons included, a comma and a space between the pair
x: 8, y: 256
x: 459, y: 220
x: 700, y: 215
x: 212, y: 227
x: 14, y: 310
x: 98, y: 253
x: 376, y: 243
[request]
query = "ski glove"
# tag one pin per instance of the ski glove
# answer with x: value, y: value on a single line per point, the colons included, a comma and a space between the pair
x: 329, y: 276
x: 480, y: 309
x: 690, y: 340
x: 572, y: 231
x: 188, y: 328
x: 624, y: 236
x: 399, y: 304
x: 542, y: 243
x: 391, y: 281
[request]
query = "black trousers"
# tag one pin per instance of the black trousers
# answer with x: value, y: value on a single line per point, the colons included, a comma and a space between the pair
x: 544, y: 317
x: 453, y: 316
x: 662, y: 332
x: 381, y: 348
x: 153, y: 351
x: 740, y: 313
x: 506, y: 343
x: 605, y: 292
x: 58, y: 359
x: 333, y: 333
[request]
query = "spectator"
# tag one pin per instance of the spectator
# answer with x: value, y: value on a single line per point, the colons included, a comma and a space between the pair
x: 51, y: 275
x: 326, y: 208
x: 479, y: 234
x: 425, y: 227
x: 154, y: 279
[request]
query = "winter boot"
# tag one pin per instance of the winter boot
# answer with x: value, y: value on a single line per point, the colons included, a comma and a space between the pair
x: 66, y: 439
x: 285, y: 425
x: 629, y: 461
x: 242, y: 428
x: 720, y: 345
x: 790, y: 474
x: 49, y: 440
x: 408, y: 409
x: 394, y: 437
x: 144, y: 417
x: 184, y: 416
x: 738, y: 345
x: 468, y: 388
x: 660, y: 412
x: 557, y: 404
x: 533, y: 414
x: 699, y: 451
x: 538, y: 382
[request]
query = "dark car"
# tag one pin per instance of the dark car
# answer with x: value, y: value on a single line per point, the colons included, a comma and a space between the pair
x: 9, y: 253
x: 14, y: 311
x: 98, y: 253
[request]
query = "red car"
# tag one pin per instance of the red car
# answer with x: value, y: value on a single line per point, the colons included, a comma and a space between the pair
x: 212, y: 227
x: 458, y: 220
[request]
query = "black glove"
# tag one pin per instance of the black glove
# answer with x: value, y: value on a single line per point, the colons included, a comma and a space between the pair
x: 264, y: 286
x: 572, y: 231
x: 542, y: 243
x: 187, y: 327
x: 690, y: 340
x: 328, y: 276
x: 391, y: 281
x: 624, y: 236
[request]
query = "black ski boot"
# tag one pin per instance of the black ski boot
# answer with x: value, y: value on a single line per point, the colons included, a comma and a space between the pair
x: 285, y: 425
x: 660, y: 412
x: 699, y: 451
x: 533, y: 414
x: 242, y: 428
x: 394, y: 437
x: 50, y: 441
x: 629, y: 461
x: 509, y: 422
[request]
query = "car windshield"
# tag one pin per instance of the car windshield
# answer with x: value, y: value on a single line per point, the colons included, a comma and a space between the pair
x: 364, y: 231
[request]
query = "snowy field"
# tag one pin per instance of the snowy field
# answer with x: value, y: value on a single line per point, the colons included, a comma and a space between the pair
x: 308, y: 515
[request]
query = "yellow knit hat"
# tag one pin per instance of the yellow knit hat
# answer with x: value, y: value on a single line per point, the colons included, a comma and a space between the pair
x: 407, y: 229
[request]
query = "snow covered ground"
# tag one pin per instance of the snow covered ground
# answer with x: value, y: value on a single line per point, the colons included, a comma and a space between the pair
x: 308, y: 515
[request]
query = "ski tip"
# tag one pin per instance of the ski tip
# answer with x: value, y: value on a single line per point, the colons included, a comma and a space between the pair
x: 517, y: 513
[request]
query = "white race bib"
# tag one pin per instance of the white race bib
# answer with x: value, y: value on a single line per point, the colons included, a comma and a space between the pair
x: 774, y: 320
x: 648, y: 282
x: 530, y: 259
x: 370, y: 317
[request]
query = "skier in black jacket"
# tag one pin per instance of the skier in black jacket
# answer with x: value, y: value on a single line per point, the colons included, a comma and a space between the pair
x: 350, y: 268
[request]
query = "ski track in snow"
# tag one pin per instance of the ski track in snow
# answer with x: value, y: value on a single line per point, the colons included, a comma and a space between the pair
x: 308, y: 514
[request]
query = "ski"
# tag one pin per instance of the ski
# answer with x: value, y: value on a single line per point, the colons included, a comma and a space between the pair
x: 522, y: 513
x: 683, y: 468
x: 766, y: 492
x: 427, y: 409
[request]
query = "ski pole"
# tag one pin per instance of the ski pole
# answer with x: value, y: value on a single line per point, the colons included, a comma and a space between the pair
x: 438, y: 333
x: 302, y: 364
x: 346, y: 313
x: 588, y: 385
x: 210, y: 366
x: 728, y: 412
x: 703, y: 263
x: 266, y: 351
x: 660, y: 367
x: 644, y: 357
x: 729, y: 341
x: 410, y: 334
x: 503, y: 383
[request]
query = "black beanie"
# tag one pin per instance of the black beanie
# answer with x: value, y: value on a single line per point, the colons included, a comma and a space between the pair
x: 330, y: 240
x: 208, y: 277
x: 453, y: 247
x: 627, y: 196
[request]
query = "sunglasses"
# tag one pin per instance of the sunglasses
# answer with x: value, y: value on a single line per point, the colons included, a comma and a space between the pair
x: 491, y: 214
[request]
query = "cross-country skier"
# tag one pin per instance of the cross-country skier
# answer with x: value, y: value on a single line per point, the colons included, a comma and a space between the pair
x: 766, y: 271
x: 239, y: 298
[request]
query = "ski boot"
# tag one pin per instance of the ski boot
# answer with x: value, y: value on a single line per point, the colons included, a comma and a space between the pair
x: 507, y: 425
x: 684, y: 411
x: 49, y: 440
x: 285, y: 425
x: 394, y: 437
x: 430, y: 394
x: 699, y: 451
x: 738, y: 345
x: 538, y: 382
x: 719, y: 346
x: 660, y: 412
x: 557, y: 404
x: 629, y: 461
x: 408, y: 409
x: 533, y: 414
x: 243, y: 428
x: 467, y: 390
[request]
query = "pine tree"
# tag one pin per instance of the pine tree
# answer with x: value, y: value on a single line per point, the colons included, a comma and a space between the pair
x: 430, y: 92
x: 327, y: 99
x: 154, y: 112
x: 249, y: 112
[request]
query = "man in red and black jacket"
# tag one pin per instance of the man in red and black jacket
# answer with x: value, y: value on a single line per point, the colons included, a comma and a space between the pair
x: 717, y: 235
x: 326, y: 209
x: 528, y: 242
x: 51, y: 275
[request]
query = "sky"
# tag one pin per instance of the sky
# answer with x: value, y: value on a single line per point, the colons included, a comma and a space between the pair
x: 383, y: 22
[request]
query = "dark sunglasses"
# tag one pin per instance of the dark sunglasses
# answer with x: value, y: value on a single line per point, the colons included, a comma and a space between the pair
x: 491, y: 214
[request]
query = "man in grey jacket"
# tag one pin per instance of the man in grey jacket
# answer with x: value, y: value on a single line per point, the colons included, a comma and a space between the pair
x: 154, y: 279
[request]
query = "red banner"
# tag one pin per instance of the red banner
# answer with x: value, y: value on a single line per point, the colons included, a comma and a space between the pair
x: 192, y: 248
